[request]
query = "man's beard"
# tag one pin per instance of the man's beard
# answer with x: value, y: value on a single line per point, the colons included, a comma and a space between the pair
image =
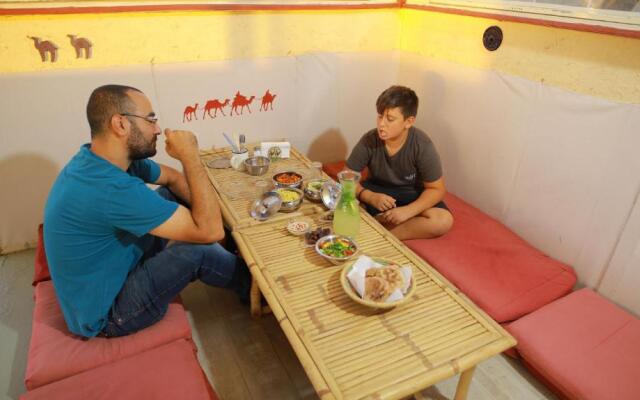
x: 139, y: 148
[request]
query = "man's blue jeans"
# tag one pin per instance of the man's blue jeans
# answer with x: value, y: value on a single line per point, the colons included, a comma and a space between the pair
x: 163, y: 272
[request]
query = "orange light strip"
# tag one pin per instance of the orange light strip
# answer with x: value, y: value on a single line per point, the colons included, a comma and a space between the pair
x: 195, y: 7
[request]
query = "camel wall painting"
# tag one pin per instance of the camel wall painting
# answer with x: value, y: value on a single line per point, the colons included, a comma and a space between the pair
x: 189, y: 112
x: 81, y: 45
x: 242, y: 102
x: 216, y: 106
x: 237, y: 105
x: 48, y: 50
x: 45, y: 48
x: 267, y: 101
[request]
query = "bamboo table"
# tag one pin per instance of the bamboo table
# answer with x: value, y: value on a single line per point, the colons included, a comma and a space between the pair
x: 350, y: 351
x: 236, y: 190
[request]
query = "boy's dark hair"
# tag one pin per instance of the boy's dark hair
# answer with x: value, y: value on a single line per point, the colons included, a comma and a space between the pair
x: 106, y: 101
x: 398, y: 96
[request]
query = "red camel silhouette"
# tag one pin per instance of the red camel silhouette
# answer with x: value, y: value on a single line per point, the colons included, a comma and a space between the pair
x: 267, y: 100
x: 241, y: 101
x: 44, y: 47
x: 214, y: 105
x: 189, y: 112
x: 81, y: 44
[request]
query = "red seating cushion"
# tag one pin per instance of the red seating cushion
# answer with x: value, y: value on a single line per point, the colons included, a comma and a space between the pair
x: 41, y: 272
x: 170, y: 371
x: 500, y: 272
x: 584, y: 345
x: 55, y: 353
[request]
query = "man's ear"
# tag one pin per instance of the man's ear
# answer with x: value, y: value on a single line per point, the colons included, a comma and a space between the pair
x: 117, y: 123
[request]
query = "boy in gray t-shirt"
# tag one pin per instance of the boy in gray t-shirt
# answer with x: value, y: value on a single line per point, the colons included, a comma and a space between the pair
x: 405, y: 187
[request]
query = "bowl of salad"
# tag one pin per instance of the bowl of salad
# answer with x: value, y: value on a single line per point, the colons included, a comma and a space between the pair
x: 336, y: 248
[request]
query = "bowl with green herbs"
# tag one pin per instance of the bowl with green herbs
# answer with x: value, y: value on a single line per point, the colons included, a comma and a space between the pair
x: 336, y: 248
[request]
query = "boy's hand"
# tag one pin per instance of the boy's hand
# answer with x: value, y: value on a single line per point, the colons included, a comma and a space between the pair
x: 181, y: 145
x: 395, y: 216
x: 381, y: 201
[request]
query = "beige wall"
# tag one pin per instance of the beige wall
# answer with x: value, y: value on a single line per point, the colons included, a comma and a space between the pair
x: 539, y: 134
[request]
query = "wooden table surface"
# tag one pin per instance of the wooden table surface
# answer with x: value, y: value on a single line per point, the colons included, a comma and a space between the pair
x: 237, y: 192
x: 350, y: 351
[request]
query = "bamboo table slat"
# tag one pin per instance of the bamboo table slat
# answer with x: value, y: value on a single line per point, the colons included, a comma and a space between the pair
x: 236, y: 190
x: 350, y: 351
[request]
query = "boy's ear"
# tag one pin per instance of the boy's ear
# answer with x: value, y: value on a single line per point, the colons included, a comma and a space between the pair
x: 410, y: 121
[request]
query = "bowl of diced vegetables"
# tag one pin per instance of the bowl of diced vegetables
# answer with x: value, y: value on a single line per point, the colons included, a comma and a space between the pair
x: 336, y: 248
x: 288, y: 179
x: 313, y: 190
x: 291, y: 198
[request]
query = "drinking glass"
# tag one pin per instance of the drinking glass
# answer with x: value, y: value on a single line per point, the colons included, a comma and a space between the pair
x: 316, y: 167
x: 262, y: 187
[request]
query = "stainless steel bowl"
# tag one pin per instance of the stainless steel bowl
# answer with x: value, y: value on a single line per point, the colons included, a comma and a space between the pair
x: 291, y: 205
x: 296, y: 185
x: 313, y: 189
x: 267, y: 205
x: 331, y: 239
x: 331, y: 192
x: 257, y: 165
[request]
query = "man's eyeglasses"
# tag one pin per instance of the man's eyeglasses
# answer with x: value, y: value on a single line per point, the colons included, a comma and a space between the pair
x: 151, y: 120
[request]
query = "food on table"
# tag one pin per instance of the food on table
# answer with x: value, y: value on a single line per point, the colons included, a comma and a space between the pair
x: 288, y: 178
x: 376, y: 289
x: 390, y: 273
x: 298, y: 227
x: 327, y: 216
x: 339, y: 248
x: 315, y: 186
x: 288, y: 195
x: 312, y: 237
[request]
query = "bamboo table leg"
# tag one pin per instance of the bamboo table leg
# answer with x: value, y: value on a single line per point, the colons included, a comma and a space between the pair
x: 464, y: 383
x: 256, y: 297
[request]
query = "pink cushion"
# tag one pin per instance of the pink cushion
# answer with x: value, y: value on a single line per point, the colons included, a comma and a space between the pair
x: 41, y: 272
x: 584, y: 345
x: 499, y: 271
x: 55, y: 353
x: 167, y: 372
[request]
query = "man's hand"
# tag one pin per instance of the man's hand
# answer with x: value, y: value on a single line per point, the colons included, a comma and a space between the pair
x: 181, y: 145
x: 381, y: 201
x: 203, y: 222
x: 395, y: 216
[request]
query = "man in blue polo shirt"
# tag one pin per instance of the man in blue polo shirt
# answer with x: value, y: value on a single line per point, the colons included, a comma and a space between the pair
x: 106, y: 231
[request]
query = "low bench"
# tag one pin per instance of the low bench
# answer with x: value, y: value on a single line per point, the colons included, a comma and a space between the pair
x: 169, y: 371
x: 156, y: 362
x: 583, y: 346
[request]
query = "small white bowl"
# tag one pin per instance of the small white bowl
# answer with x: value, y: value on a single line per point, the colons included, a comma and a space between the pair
x: 298, y: 227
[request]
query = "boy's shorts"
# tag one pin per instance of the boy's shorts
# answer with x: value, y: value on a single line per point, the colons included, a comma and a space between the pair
x: 402, y: 196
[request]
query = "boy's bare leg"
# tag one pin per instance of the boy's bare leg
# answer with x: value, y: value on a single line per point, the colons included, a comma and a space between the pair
x: 431, y: 223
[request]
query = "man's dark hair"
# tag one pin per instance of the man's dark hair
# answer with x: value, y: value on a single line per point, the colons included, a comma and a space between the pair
x: 106, y: 101
x: 398, y: 96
